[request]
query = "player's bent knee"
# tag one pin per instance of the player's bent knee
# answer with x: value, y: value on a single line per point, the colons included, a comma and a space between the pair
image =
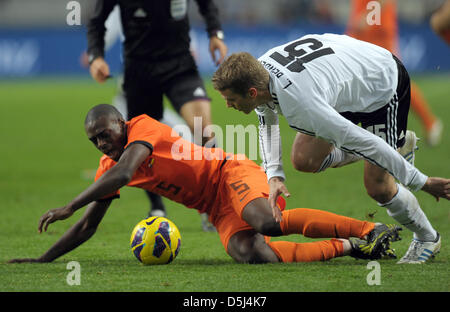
x: 303, y: 164
x: 258, y: 214
x: 250, y: 247
x: 309, y: 152
x: 265, y: 225
x: 269, y: 228
x: 241, y: 253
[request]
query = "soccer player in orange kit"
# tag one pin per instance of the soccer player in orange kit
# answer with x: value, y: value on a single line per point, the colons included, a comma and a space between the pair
x: 377, y: 24
x: 147, y: 154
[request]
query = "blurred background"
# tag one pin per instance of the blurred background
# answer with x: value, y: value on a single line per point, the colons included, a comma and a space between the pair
x: 36, y: 40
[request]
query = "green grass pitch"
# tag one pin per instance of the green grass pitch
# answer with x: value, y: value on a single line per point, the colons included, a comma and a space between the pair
x: 45, y: 156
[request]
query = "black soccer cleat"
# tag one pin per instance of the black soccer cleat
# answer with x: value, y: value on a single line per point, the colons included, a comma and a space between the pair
x: 378, y: 243
x: 389, y: 253
x: 362, y: 249
x: 381, y: 231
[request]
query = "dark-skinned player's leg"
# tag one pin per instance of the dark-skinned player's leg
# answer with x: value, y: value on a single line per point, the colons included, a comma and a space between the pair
x: 244, y: 221
x: 251, y: 246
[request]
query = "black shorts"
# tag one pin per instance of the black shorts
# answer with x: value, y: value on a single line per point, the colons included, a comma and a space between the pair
x: 145, y: 83
x: 390, y: 121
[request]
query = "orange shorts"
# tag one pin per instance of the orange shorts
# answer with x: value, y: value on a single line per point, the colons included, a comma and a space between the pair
x: 241, y: 182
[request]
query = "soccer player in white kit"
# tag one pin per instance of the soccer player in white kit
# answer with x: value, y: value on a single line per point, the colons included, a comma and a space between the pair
x: 324, y: 85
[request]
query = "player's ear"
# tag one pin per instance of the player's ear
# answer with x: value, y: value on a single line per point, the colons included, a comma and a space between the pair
x: 252, y: 92
x: 122, y: 124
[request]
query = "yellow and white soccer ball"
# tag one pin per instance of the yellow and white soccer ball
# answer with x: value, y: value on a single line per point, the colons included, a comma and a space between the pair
x: 155, y: 240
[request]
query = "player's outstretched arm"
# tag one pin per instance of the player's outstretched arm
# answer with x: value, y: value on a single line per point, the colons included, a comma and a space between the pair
x: 113, y: 179
x: 437, y: 187
x: 108, y: 183
x: 75, y: 236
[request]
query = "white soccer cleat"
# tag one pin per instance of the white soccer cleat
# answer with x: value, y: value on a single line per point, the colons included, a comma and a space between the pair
x: 409, y: 148
x: 420, y: 252
x: 434, y: 135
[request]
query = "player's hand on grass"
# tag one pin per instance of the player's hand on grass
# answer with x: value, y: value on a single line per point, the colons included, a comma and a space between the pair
x: 276, y: 188
x: 437, y: 187
x: 99, y: 70
x: 52, y: 216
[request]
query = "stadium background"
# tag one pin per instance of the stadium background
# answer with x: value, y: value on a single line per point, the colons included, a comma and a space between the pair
x: 35, y: 39
x: 46, y: 160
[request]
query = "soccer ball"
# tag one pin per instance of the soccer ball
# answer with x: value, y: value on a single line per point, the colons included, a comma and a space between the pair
x: 155, y: 240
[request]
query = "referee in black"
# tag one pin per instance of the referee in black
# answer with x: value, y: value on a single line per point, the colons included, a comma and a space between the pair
x: 158, y: 61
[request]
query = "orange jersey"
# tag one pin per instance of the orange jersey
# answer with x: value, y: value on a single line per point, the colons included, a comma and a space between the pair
x: 207, y: 179
x: 377, y: 27
x: 174, y: 169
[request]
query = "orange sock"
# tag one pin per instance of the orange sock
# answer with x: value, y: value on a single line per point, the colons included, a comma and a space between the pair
x: 320, y: 224
x: 307, y: 252
x: 420, y: 106
x: 316, y: 223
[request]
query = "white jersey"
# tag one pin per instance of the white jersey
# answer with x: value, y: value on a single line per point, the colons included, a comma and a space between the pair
x: 315, y: 78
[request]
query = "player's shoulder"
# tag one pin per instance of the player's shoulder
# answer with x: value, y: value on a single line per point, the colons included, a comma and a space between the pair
x: 144, y: 128
x: 141, y: 123
x: 144, y: 118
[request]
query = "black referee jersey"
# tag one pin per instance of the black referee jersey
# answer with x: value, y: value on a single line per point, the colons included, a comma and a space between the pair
x: 154, y: 29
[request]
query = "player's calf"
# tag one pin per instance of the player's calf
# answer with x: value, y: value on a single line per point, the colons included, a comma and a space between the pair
x: 250, y: 247
x: 380, y: 185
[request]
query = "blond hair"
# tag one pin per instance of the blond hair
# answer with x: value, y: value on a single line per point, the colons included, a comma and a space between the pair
x: 240, y: 72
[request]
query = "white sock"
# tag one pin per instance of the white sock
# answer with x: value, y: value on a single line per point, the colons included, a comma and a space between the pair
x: 338, y: 158
x: 405, y: 208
